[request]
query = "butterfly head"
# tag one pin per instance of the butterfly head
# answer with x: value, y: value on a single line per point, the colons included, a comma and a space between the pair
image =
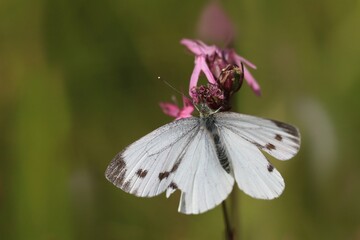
x: 205, y: 110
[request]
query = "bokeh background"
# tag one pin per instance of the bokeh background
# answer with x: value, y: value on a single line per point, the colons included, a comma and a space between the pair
x: 78, y: 82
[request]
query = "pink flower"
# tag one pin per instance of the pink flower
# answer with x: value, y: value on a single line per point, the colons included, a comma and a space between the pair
x: 211, y: 60
x: 211, y: 94
x: 201, y: 51
x: 173, y: 110
x: 214, y: 25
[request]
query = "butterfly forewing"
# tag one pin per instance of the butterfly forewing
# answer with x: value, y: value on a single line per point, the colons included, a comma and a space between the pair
x: 146, y: 167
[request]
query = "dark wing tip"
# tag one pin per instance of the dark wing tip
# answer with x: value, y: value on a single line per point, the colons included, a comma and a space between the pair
x: 287, y: 128
x: 116, y: 170
x: 291, y: 130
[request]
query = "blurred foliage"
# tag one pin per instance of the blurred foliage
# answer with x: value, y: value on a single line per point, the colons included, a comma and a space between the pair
x: 79, y: 83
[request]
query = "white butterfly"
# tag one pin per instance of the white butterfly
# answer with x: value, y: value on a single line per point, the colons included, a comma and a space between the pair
x: 203, y: 156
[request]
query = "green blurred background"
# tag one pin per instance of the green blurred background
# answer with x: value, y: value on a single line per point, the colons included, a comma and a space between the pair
x: 79, y: 82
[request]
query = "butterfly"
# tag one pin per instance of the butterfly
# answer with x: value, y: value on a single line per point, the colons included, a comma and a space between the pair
x: 204, y: 156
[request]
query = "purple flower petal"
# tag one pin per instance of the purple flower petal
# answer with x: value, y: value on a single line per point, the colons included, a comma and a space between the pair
x: 187, y: 102
x: 193, y: 46
x: 174, y: 111
x: 251, y: 81
x: 215, y: 25
x: 247, y: 62
x: 195, y: 74
x: 170, y: 109
x: 205, y: 68
x: 198, y: 47
x: 232, y: 56
x: 205, y: 55
x: 208, y: 50
x: 200, y: 65
x: 185, y: 112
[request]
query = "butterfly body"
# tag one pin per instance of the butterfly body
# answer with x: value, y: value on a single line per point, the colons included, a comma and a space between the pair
x: 209, y: 123
x: 204, y: 156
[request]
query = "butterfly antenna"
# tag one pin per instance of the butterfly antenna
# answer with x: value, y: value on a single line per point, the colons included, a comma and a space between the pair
x: 173, y: 88
x: 218, y: 110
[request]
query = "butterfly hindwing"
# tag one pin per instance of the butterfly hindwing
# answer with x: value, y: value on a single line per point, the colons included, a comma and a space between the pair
x: 243, y: 136
x: 202, y: 180
x: 252, y: 171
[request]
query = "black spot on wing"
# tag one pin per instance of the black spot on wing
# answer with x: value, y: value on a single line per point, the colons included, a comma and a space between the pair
x: 287, y: 128
x: 141, y: 173
x: 270, y: 167
x: 293, y: 131
x: 116, y: 171
x: 173, y: 186
x: 270, y: 146
x: 163, y: 175
x: 176, y: 166
x: 278, y: 137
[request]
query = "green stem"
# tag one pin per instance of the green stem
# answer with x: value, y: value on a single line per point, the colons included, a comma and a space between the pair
x: 235, y: 213
x: 228, y: 229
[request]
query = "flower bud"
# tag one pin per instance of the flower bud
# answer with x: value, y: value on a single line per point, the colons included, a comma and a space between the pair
x: 231, y: 79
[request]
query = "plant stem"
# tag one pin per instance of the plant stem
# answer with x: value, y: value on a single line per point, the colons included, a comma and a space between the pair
x: 235, y: 214
x: 228, y: 229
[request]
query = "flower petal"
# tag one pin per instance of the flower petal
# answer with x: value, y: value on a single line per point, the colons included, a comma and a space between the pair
x: 192, y: 45
x: 247, y: 62
x: 195, y: 75
x: 251, y: 81
x: 215, y: 25
x: 170, y: 109
x: 187, y: 109
x: 198, y: 48
x: 185, y: 112
x: 205, y: 68
x: 187, y: 102
x: 200, y: 65
x: 237, y: 59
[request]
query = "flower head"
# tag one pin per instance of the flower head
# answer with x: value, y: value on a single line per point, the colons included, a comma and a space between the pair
x: 225, y: 71
x: 211, y: 60
x: 173, y: 110
x: 211, y: 95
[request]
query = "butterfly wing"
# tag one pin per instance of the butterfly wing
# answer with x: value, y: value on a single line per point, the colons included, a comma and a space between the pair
x: 243, y: 136
x: 278, y: 139
x: 200, y: 177
x: 179, y: 155
x: 146, y: 167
